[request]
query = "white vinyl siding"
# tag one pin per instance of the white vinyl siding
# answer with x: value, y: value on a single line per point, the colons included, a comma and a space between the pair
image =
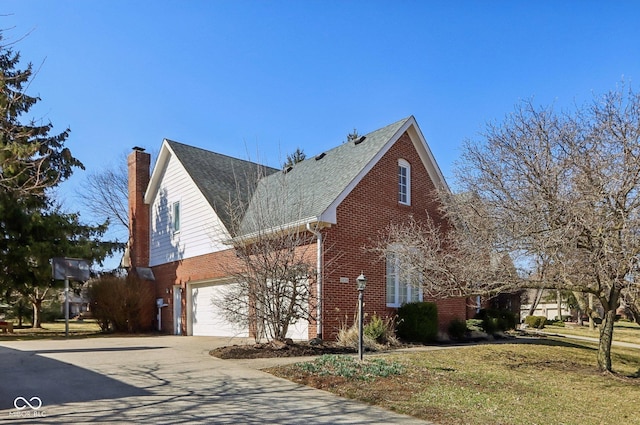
x: 404, y: 182
x: 399, y: 289
x: 201, y: 231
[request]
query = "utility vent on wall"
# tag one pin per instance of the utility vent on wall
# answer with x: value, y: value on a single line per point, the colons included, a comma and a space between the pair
x: 359, y: 140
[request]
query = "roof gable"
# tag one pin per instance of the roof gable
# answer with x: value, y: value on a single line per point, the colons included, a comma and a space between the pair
x: 308, y: 192
x: 220, y: 178
x: 312, y: 189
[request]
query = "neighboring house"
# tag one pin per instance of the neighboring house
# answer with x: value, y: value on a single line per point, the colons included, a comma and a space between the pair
x: 547, y: 305
x: 345, y: 197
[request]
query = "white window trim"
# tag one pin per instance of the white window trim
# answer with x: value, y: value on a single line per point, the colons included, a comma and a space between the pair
x: 404, y: 164
x: 176, y: 229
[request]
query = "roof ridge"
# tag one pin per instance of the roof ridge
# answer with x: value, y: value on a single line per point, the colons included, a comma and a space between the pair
x: 173, y: 142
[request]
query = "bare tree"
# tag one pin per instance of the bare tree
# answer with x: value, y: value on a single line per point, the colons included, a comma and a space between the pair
x: 563, y: 187
x: 444, y: 261
x: 105, y: 194
x: 275, y: 260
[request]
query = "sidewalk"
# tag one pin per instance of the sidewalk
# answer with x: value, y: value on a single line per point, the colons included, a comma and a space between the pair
x: 585, y: 338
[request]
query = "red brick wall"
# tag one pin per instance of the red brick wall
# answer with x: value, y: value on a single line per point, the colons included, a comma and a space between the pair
x: 210, y: 266
x: 181, y: 272
x: 367, y: 210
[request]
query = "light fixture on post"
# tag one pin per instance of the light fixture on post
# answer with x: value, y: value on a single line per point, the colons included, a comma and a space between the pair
x: 362, y: 283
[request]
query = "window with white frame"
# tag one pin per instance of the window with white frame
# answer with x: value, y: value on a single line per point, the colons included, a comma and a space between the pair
x: 401, y: 288
x: 404, y: 182
x: 175, y: 217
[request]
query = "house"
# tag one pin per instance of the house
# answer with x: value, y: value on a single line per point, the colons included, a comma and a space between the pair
x: 343, y: 197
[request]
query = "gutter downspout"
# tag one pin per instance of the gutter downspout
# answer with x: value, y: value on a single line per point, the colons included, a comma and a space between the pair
x: 318, y: 236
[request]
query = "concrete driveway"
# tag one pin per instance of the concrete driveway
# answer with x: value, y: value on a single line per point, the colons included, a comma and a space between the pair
x: 158, y: 380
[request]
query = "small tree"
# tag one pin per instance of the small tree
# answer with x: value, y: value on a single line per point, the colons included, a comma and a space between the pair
x: 106, y: 195
x: 294, y: 158
x: 275, y: 261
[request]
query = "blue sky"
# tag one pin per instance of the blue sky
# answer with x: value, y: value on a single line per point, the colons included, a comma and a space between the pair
x: 256, y: 79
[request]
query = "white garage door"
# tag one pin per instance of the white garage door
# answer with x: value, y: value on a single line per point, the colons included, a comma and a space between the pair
x: 206, y: 318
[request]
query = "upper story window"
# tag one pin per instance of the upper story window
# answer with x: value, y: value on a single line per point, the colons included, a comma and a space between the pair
x: 175, y: 217
x: 404, y: 182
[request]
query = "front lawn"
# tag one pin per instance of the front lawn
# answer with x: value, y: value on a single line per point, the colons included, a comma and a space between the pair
x: 545, y: 381
x: 623, y: 331
x: 56, y: 329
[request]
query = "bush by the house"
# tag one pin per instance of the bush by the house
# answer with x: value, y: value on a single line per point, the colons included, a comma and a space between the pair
x: 474, y: 325
x: 382, y: 330
x: 457, y: 329
x: 494, y: 320
x: 536, y: 322
x: 418, y: 322
x: 122, y: 304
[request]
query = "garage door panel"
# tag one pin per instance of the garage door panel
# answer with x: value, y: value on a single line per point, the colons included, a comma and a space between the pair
x: 207, y: 318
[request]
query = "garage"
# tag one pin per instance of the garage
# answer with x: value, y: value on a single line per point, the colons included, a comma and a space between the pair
x: 204, y: 317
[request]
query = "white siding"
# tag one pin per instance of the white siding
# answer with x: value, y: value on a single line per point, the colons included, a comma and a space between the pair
x: 201, y: 231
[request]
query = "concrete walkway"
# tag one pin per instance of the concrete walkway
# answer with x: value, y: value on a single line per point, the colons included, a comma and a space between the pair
x: 587, y: 338
x: 159, y: 380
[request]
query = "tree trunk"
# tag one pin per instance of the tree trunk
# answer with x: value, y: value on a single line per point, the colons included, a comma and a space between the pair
x: 37, y: 309
x: 559, y: 301
x: 591, y: 322
x: 606, y: 338
x: 536, y: 301
x: 606, y: 328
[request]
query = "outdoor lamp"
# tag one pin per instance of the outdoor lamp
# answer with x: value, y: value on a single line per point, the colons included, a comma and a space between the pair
x: 362, y: 283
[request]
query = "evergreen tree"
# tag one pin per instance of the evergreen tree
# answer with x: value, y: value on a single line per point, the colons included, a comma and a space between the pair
x: 294, y: 158
x: 32, y: 228
x: 31, y: 159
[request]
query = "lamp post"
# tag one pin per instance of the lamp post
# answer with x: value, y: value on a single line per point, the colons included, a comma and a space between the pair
x: 362, y: 283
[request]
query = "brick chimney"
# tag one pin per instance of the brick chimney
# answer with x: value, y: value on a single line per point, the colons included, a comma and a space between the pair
x: 138, y: 165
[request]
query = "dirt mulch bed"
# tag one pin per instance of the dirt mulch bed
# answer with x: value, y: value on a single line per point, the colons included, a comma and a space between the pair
x: 297, y: 349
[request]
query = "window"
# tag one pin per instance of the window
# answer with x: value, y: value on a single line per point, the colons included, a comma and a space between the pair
x: 175, y: 219
x: 400, y: 289
x: 404, y: 182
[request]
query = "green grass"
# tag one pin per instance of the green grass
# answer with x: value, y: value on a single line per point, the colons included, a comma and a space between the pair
x: 547, y: 381
x: 56, y: 329
x: 623, y: 331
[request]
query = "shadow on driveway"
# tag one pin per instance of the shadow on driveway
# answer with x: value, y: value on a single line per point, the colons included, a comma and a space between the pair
x: 29, y: 374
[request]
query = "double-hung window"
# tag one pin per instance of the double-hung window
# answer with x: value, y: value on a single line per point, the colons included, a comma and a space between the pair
x: 402, y: 285
x: 404, y: 182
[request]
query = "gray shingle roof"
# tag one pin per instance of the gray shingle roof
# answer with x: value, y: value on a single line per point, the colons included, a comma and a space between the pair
x: 311, y: 186
x: 220, y: 178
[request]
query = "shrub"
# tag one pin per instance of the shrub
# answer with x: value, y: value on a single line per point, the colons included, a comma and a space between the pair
x: 348, y: 337
x: 350, y: 368
x: 536, y: 322
x: 457, y: 329
x: 474, y: 325
x: 381, y: 330
x: 494, y: 320
x: 418, y: 322
x: 122, y: 304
